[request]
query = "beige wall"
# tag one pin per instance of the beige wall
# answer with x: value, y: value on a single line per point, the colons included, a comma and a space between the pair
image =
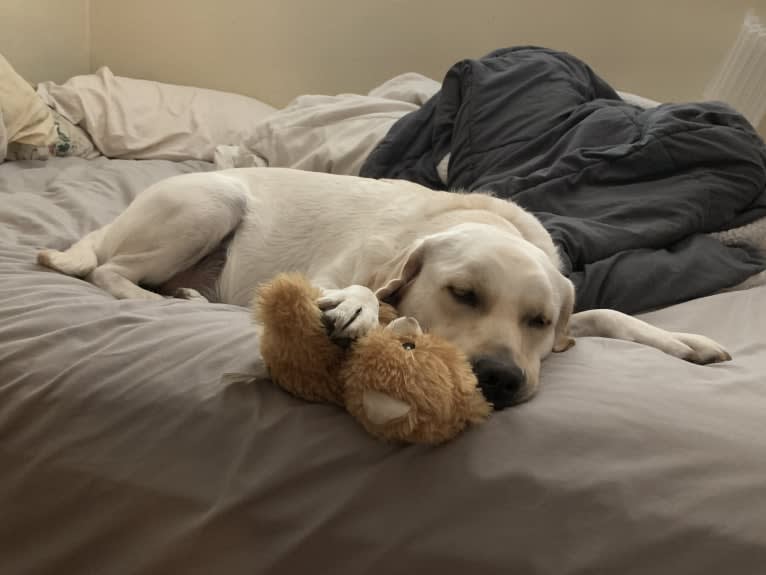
x: 46, y: 39
x: 276, y: 49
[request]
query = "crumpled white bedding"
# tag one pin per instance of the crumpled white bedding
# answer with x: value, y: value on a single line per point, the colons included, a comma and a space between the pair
x: 332, y: 134
x: 140, y: 119
x: 335, y: 134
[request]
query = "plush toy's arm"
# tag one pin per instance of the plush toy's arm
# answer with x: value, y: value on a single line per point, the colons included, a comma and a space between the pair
x: 294, y: 344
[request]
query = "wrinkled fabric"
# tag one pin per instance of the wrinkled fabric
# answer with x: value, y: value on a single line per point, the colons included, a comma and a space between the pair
x: 626, y: 192
x: 125, y: 448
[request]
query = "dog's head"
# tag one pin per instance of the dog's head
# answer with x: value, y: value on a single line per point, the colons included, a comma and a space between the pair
x: 493, y: 294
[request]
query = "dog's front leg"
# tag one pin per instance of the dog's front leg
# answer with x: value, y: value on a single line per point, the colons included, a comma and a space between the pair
x: 349, y: 312
x: 617, y: 325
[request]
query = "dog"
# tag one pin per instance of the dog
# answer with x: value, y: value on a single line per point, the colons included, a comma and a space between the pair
x: 477, y: 270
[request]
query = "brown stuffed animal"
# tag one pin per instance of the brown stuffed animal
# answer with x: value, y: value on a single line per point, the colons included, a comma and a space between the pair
x: 398, y: 382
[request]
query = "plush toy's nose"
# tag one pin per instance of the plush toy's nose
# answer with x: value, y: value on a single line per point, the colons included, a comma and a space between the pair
x: 501, y: 381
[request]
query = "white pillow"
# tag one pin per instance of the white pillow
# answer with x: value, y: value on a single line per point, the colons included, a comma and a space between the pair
x: 332, y: 134
x: 142, y: 119
x: 26, y: 119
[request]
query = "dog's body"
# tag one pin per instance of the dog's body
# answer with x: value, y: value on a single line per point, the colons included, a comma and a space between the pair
x: 475, y: 269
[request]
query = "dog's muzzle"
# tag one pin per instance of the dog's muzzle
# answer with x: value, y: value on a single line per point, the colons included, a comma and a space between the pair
x: 501, y: 381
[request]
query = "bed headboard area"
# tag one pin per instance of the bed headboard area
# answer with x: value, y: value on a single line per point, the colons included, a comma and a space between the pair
x: 277, y: 49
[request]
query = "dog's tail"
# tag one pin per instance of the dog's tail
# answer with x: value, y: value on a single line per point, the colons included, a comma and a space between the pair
x: 79, y: 260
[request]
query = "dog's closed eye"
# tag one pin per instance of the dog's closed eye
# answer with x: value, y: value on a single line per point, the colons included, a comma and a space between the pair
x: 463, y: 296
x: 538, y: 321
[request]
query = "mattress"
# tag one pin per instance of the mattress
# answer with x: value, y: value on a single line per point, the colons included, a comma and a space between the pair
x: 127, y: 447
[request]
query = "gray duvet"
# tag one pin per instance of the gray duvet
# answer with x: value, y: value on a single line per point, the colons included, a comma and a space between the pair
x: 124, y: 449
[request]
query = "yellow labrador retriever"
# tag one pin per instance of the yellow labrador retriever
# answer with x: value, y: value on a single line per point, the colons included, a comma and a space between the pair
x: 477, y: 270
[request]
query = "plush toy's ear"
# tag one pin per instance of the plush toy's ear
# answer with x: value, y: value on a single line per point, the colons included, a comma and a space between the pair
x: 400, y: 271
x: 404, y: 326
x: 563, y: 340
x: 381, y: 408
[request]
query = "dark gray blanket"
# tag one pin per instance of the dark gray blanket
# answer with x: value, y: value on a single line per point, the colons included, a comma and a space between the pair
x: 628, y: 194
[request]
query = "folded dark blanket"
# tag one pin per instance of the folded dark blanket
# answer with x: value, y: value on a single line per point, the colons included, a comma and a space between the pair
x: 627, y: 194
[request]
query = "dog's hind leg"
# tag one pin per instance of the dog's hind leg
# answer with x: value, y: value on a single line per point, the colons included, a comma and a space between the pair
x: 119, y: 286
x: 79, y: 260
x: 167, y: 229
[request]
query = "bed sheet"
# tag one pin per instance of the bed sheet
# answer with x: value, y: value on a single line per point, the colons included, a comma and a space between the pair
x: 125, y: 449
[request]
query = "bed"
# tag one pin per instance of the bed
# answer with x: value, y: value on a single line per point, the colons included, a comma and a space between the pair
x: 138, y: 437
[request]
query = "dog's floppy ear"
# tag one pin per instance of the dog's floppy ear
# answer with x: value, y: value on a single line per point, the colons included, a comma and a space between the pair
x: 400, y: 271
x: 563, y: 340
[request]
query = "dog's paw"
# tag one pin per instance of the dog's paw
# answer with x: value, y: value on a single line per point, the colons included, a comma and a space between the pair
x: 699, y: 349
x: 349, y: 313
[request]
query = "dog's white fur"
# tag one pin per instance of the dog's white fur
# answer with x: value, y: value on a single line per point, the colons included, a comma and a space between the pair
x: 478, y: 270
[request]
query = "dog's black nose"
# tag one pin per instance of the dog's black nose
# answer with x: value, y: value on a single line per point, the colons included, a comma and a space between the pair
x: 501, y: 380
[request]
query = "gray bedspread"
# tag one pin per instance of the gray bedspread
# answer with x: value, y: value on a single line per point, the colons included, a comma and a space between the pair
x: 123, y: 450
